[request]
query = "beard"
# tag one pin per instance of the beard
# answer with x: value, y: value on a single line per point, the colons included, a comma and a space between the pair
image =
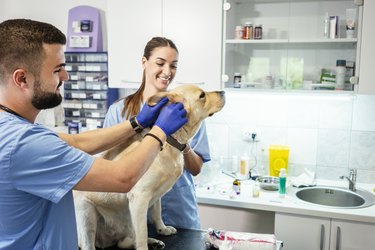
x: 43, y: 99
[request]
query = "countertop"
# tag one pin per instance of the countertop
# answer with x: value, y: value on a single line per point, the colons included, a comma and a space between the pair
x: 219, y: 193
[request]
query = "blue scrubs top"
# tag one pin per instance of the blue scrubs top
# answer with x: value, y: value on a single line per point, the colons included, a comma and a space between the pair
x: 179, y: 205
x: 37, y: 173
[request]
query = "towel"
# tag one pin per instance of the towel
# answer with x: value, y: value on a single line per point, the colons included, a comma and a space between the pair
x: 306, y: 179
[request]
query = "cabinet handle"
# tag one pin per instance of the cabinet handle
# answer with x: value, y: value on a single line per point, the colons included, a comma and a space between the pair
x: 322, y: 236
x: 338, y: 239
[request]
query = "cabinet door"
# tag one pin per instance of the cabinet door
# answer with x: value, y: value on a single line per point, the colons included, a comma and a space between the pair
x: 302, y: 232
x: 195, y: 27
x: 366, y: 70
x: 130, y: 26
x: 349, y: 235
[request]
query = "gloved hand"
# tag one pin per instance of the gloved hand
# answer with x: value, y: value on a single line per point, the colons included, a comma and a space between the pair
x: 148, y: 115
x: 172, y: 118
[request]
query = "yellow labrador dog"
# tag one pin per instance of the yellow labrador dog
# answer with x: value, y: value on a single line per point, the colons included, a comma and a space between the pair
x: 107, y: 219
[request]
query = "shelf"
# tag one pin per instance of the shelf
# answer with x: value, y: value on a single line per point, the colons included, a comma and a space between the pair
x: 284, y: 41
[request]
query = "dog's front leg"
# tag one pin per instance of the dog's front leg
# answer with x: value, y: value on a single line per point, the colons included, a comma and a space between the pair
x: 156, y: 219
x: 86, y: 217
x: 138, y: 204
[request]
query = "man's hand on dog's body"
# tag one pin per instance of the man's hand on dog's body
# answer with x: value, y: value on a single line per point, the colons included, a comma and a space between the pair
x: 148, y: 115
x: 171, y: 118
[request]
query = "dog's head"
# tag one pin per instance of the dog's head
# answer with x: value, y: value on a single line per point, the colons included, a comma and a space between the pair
x: 198, y: 104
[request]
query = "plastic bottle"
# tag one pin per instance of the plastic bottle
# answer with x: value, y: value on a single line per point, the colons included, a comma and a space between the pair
x: 282, y: 182
x: 340, y: 74
x: 326, y: 26
x: 245, y: 166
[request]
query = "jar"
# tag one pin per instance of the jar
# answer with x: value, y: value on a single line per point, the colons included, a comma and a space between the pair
x: 248, y: 31
x: 258, y: 32
x: 239, y: 32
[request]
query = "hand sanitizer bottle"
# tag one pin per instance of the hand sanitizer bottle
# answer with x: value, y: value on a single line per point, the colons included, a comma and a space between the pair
x: 282, y: 182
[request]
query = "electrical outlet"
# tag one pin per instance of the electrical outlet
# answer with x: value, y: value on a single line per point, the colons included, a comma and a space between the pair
x: 251, y: 135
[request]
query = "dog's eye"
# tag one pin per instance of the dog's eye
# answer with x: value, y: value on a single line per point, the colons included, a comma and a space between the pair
x: 202, y: 95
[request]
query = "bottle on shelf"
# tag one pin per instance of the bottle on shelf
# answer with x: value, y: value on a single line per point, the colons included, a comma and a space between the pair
x: 248, y: 31
x: 282, y: 182
x: 340, y: 74
x: 258, y: 32
x: 326, y: 26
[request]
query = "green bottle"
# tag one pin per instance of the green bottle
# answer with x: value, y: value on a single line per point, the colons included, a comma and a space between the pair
x: 282, y: 182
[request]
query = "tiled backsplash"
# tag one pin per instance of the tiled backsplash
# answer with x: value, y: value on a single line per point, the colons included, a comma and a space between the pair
x: 327, y: 133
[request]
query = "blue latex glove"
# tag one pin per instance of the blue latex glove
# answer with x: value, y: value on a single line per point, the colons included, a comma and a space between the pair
x: 172, y: 118
x: 148, y: 115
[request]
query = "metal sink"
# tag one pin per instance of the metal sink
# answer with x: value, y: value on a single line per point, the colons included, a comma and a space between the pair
x: 335, y: 197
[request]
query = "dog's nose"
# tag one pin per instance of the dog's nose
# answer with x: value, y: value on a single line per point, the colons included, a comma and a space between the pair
x: 221, y: 93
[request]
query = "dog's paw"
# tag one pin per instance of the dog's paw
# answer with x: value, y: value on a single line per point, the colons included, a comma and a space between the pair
x: 155, y: 244
x: 167, y: 230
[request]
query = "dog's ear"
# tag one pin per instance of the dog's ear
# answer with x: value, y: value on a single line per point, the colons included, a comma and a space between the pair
x: 172, y: 97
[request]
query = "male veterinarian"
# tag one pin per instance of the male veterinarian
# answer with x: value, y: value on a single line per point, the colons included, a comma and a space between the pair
x: 38, y: 167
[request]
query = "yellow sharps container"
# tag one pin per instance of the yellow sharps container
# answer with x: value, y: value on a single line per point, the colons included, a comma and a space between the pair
x: 279, y: 155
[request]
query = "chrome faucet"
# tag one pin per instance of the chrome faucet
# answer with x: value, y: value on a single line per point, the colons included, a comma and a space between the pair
x: 352, y: 179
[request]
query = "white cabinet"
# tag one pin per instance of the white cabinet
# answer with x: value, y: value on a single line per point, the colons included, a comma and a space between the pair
x: 130, y: 26
x: 308, y: 232
x: 194, y: 26
x: 236, y: 219
x: 293, y: 51
x: 366, y: 70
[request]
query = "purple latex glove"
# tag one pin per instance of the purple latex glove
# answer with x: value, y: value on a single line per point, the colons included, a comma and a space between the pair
x: 172, y: 118
x: 148, y: 115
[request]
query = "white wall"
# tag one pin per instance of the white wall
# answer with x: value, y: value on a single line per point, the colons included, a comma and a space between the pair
x: 51, y: 11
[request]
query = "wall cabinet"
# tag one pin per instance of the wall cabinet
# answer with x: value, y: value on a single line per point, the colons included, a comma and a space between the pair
x: 366, y: 71
x: 308, y: 232
x: 195, y: 27
x: 85, y: 93
x: 293, y: 51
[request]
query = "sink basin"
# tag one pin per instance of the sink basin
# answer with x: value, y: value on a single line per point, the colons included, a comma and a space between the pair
x: 335, y: 197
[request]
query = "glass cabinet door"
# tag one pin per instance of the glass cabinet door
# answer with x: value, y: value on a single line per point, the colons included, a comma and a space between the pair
x: 300, y: 45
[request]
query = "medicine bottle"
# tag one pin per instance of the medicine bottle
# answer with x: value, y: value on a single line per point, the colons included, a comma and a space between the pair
x: 237, y: 186
x: 248, y: 31
x: 239, y: 32
x: 282, y: 182
x: 340, y: 74
x: 237, y: 80
x: 258, y: 32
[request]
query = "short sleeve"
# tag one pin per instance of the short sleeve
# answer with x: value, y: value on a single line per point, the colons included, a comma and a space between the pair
x: 44, y: 165
x: 199, y: 143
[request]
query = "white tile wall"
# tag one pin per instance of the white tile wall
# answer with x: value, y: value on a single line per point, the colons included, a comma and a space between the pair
x: 326, y: 133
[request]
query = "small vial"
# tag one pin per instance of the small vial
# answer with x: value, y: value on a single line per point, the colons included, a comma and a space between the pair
x: 256, y: 190
x: 237, y: 186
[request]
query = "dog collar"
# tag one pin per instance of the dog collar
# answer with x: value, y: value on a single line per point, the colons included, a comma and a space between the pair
x: 174, y: 143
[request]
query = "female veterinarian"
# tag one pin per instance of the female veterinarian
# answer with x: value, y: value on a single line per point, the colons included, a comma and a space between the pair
x: 38, y: 167
x: 159, y: 61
